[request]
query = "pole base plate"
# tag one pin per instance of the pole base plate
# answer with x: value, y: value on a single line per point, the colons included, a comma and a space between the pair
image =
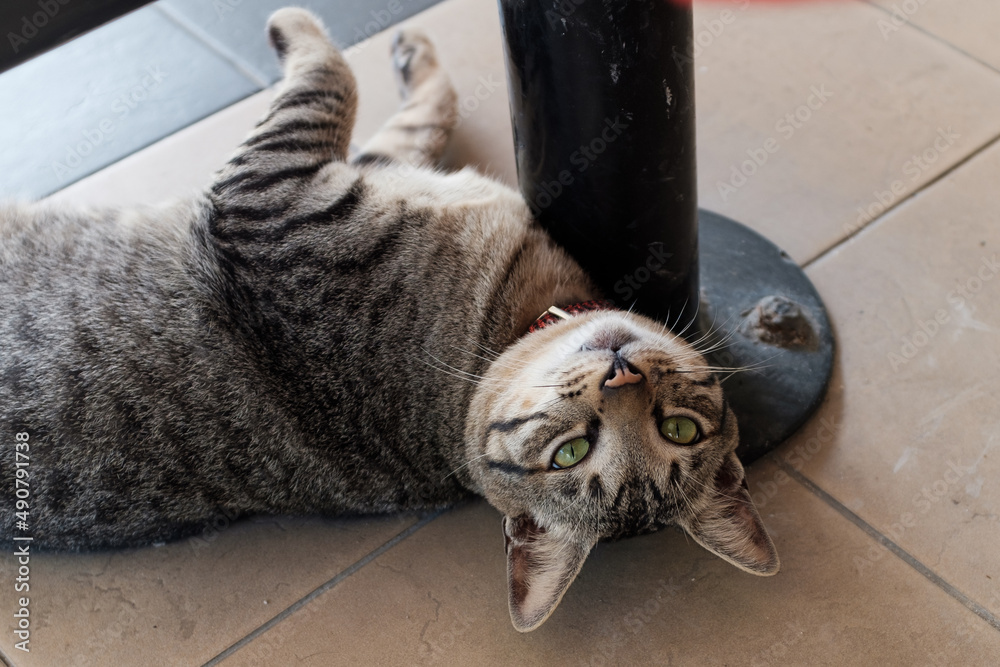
x: 761, y: 313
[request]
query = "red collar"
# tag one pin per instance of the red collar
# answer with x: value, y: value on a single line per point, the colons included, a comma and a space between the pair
x: 554, y: 314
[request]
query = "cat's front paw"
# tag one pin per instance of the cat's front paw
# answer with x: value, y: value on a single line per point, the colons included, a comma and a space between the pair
x: 292, y: 26
x: 413, y: 59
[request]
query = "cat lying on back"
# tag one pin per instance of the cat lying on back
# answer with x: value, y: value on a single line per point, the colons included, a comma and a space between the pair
x: 322, y: 335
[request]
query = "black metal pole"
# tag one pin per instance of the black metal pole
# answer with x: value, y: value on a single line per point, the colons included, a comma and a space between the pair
x: 602, y: 103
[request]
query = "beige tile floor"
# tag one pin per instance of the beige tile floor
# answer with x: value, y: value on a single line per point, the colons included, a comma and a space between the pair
x: 884, y: 507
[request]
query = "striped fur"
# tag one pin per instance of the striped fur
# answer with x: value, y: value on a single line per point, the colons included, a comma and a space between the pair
x: 315, y: 334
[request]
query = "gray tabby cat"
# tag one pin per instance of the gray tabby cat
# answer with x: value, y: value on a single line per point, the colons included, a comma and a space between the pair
x: 318, y: 335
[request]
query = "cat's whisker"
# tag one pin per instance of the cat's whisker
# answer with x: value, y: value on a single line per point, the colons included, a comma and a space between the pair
x: 466, y: 464
x: 551, y: 402
x: 597, y: 526
x: 749, y: 369
x: 480, y: 383
x: 684, y: 496
x: 482, y: 347
x: 712, y: 331
x: 461, y: 376
x: 572, y: 505
x: 481, y: 357
x: 709, y: 369
x: 718, y: 344
x: 709, y: 337
x: 678, y: 320
x: 710, y: 489
x: 694, y: 318
x: 757, y: 365
x: 511, y: 364
x: 453, y: 368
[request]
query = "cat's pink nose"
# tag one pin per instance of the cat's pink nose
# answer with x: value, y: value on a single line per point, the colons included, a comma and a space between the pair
x: 623, y: 375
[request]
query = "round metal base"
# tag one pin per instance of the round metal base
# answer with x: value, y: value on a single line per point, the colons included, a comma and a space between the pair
x: 761, y: 314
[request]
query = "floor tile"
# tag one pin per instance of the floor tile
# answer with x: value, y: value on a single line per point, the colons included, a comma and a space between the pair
x: 909, y: 437
x: 184, y: 602
x: 74, y: 110
x: 236, y: 27
x: 879, y: 111
x: 440, y: 598
x: 969, y: 25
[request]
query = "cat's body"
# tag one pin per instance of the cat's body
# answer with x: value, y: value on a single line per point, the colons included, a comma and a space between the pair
x: 318, y: 335
x: 164, y: 376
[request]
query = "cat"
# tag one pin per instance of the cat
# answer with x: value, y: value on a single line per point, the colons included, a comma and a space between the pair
x: 319, y: 334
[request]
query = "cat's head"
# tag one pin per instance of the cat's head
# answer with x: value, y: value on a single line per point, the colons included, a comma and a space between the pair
x: 606, y: 426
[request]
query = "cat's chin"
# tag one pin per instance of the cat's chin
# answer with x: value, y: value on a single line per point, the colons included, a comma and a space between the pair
x: 610, y: 336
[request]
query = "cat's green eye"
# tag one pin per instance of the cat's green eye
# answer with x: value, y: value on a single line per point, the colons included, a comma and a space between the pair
x: 681, y: 430
x: 571, y: 453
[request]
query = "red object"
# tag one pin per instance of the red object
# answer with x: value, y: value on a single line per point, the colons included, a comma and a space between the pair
x: 549, y: 317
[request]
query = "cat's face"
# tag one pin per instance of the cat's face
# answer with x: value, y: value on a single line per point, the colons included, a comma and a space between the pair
x: 606, y: 426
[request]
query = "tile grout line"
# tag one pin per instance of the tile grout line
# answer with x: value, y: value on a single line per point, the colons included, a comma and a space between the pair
x: 901, y: 553
x: 990, y: 143
x: 937, y: 38
x: 322, y: 588
x: 215, y: 46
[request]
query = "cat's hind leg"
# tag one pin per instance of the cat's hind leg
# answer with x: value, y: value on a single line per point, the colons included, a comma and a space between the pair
x: 418, y: 132
x: 309, y: 122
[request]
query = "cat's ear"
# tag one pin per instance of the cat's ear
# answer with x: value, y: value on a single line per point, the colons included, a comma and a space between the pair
x: 540, y: 567
x: 729, y: 525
